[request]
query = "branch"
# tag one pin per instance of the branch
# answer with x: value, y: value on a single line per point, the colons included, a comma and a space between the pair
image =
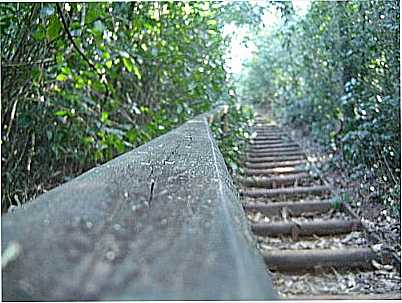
x: 70, y: 37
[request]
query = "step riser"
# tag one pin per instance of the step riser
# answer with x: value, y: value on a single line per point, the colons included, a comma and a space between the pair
x: 273, y: 132
x: 274, y: 149
x: 267, y: 128
x: 275, y: 184
x: 293, y: 208
x: 269, y: 141
x: 279, y: 171
x: 268, y: 132
x: 269, y: 138
x: 270, y: 135
x: 274, y: 159
x: 275, y: 181
x: 299, y: 260
x: 268, y: 146
x: 274, y: 165
x: 293, y: 191
x: 325, y: 228
x: 274, y: 154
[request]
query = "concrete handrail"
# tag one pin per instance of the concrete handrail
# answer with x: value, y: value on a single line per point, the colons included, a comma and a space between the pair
x: 160, y: 222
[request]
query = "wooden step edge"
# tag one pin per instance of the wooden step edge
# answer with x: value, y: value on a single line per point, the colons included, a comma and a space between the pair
x: 269, y: 133
x: 258, y: 159
x: 269, y: 128
x: 273, y: 181
x: 271, y: 138
x: 293, y: 208
x: 299, y: 190
x: 273, y: 145
x: 253, y: 143
x: 256, y: 141
x: 274, y: 171
x: 275, y: 159
x: 273, y: 150
x: 274, y: 154
x: 309, y: 259
x: 275, y: 164
x: 296, y: 229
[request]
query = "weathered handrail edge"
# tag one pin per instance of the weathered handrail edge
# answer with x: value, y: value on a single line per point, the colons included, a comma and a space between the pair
x: 160, y: 222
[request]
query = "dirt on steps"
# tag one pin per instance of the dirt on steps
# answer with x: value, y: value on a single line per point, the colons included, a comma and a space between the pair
x: 313, y: 251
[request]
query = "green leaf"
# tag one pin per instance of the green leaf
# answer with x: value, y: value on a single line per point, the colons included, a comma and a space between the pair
x: 132, y: 135
x: 137, y: 72
x: 36, y: 73
x: 93, y: 12
x: 128, y: 65
x: 39, y: 34
x: 61, y: 77
x: 109, y: 64
x: 61, y: 113
x: 88, y: 140
x: 211, y: 22
x: 104, y: 117
x: 66, y: 70
x: 59, y: 58
x: 54, y: 28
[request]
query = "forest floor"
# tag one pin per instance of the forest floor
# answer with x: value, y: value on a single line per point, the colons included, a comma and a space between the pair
x: 381, y: 219
x: 383, y: 223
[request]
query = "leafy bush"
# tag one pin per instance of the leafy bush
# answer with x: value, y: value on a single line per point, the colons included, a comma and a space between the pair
x: 335, y: 72
x: 232, y: 132
x: 84, y: 82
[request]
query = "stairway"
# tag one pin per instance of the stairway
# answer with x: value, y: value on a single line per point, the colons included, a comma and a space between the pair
x: 307, y: 238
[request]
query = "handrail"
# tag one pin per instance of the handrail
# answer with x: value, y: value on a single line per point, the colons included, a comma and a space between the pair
x: 160, y: 222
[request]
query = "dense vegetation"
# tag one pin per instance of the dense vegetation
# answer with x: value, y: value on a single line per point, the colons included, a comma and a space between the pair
x: 232, y: 129
x: 84, y: 82
x: 335, y: 72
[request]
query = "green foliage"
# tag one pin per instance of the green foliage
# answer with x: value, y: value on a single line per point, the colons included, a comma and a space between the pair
x: 335, y: 72
x: 84, y: 82
x: 231, y: 129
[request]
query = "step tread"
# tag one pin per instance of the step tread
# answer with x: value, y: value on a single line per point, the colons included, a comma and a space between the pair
x: 276, y: 164
x: 293, y: 208
x: 274, y: 180
x: 275, y: 158
x: 274, y: 171
x: 310, y: 258
x: 286, y: 191
x: 294, y: 228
